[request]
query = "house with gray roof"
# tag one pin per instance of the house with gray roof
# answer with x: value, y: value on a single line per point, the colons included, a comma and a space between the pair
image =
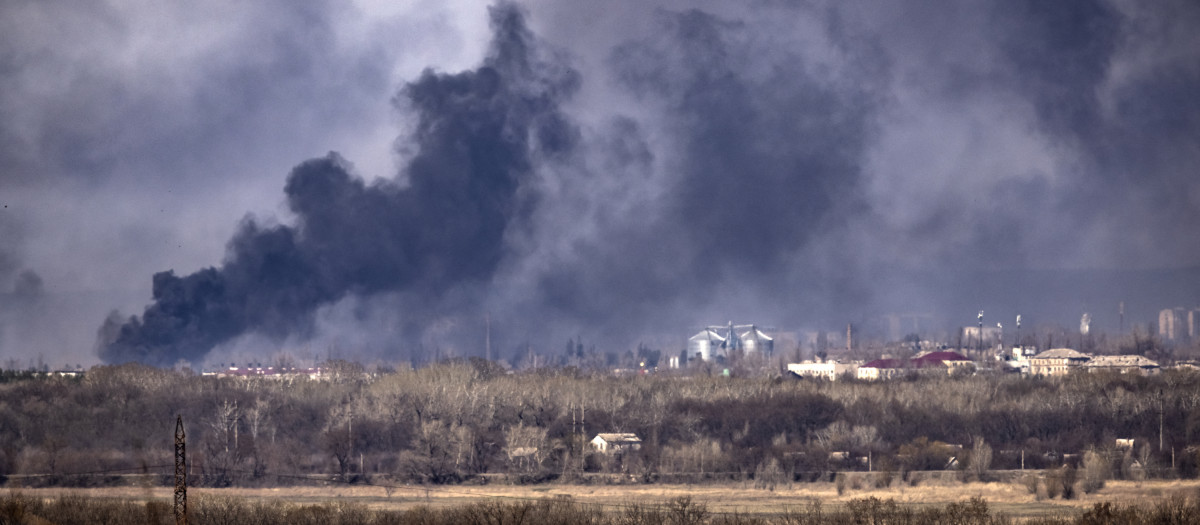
x: 616, y: 442
x: 1057, y: 362
x: 1126, y: 364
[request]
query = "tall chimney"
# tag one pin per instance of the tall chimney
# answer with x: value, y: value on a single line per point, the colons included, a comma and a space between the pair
x: 849, y: 340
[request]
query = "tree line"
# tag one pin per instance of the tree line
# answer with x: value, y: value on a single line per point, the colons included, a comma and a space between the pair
x: 470, y: 419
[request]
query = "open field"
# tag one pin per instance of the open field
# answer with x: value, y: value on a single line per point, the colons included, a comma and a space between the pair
x: 1011, y: 499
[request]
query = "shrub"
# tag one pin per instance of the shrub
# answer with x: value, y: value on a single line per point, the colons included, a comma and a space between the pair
x: 1106, y: 513
x: 1068, y: 482
x: 883, y: 479
x: 875, y: 510
x: 1053, y: 483
x: 973, y: 511
x: 1030, y: 481
x: 14, y: 507
x: 684, y: 511
x: 639, y: 514
x: 768, y: 474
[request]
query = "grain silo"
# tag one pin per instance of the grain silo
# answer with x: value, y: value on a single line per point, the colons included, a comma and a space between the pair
x: 705, y: 345
x: 723, y: 341
x: 754, y: 340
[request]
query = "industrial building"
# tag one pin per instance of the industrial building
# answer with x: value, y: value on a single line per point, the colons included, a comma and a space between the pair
x: 721, y: 342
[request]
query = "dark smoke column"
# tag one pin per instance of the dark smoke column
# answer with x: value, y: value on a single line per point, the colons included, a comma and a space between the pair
x: 477, y: 137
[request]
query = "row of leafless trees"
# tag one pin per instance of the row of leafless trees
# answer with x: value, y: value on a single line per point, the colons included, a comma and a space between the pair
x: 465, y: 419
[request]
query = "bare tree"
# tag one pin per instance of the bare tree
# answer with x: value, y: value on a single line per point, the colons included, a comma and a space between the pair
x: 981, y: 459
x: 223, y: 445
x: 338, y: 434
x: 525, y: 446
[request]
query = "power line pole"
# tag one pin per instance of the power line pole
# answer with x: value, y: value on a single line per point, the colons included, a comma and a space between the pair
x: 180, y: 474
x: 1160, y: 425
x: 979, y: 341
x: 1019, y: 345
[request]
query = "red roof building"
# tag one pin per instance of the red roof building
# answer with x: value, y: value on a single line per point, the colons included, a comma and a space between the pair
x: 887, y: 368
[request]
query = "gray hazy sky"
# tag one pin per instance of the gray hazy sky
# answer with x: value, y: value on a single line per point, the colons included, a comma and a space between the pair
x: 679, y: 162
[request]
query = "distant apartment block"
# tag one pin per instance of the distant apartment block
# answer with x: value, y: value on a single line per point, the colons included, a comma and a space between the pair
x: 971, y: 336
x: 1178, y: 324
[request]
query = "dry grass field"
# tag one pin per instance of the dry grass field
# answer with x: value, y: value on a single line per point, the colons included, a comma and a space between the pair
x: 1011, y: 499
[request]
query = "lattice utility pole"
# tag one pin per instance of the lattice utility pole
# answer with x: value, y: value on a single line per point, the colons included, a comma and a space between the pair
x: 180, y: 474
x: 979, y: 342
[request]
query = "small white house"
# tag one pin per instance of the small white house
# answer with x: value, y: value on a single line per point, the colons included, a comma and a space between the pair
x: 611, y: 443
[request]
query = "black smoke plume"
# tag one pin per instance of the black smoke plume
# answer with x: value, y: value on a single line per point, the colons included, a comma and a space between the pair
x: 441, y: 224
x: 797, y: 164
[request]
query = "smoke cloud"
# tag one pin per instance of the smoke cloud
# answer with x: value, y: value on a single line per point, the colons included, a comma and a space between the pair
x: 618, y: 172
x: 442, y: 225
x: 809, y: 164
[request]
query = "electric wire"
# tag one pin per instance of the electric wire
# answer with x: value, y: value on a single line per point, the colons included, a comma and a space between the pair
x: 369, y: 483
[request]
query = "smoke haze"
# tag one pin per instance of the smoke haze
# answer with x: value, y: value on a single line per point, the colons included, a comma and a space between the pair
x: 618, y: 172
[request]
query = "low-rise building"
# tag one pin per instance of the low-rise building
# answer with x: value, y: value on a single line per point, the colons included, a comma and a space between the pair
x: 877, y: 369
x: 1018, y: 360
x: 1057, y: 362
x: 881, y: 369
x: 943, y: 359
x: 1126, y: 364
x: 930, y: 362
x: 611, y: 443
x: 268, y: 372
x: 830, y: 370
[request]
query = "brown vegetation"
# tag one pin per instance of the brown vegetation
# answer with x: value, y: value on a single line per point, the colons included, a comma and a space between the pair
x: 472, y: 421
x: 683, y: 510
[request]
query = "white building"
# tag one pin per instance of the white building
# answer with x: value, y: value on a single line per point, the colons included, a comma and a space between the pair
x: 1057, y: 362
x: 610, y: 443
x: 830, y: 370
x: 1019, y: 360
